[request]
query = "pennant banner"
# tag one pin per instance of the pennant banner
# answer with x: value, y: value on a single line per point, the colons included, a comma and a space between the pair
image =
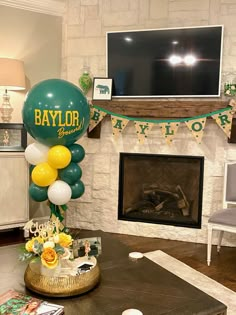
x: 224, y: 120
x: 142, y: 130
x: 169, y: 131
x: 96, y: 115
x: 169, y: 127
x: 118, y: 125
x: 196, y: 126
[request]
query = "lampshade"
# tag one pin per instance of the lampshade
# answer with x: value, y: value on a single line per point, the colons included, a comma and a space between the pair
x: 12, y: 75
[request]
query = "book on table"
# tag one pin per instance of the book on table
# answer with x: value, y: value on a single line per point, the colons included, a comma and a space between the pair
x: 16, y: 303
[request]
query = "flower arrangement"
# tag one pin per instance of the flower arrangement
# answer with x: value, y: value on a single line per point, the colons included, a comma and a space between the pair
x: 48, y: 243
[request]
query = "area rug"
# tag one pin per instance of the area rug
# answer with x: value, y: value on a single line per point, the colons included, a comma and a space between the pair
x: 195, y: 278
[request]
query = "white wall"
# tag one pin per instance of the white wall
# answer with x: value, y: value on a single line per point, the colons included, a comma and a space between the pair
x: 86, y: 23
x: 34, y: 38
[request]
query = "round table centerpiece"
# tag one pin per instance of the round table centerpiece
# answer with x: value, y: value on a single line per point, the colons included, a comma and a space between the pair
x: 64, y: 280
x: 52, y: 270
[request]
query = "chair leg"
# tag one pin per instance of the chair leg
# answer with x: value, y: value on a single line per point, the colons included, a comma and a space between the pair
x: 209, y: 240
x: 219, y: 241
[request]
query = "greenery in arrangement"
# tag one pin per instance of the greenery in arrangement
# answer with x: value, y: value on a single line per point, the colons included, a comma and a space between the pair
x: 48, y: 244
x: 229, y: 89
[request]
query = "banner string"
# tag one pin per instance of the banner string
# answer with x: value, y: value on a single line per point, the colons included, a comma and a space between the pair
x: 228, y: 108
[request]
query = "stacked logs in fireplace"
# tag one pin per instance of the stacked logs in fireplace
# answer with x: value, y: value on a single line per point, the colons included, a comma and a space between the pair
x: 163, y: 200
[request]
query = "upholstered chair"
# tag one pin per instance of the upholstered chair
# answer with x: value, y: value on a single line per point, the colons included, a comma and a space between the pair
x: 224, y: 220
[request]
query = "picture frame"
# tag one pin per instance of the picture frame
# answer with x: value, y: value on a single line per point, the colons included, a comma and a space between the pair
x: 13, y: 137
x: 95, y: 244
x: 102, y: 89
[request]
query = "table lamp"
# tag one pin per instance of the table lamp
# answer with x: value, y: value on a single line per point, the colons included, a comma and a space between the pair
x: 12, y: 77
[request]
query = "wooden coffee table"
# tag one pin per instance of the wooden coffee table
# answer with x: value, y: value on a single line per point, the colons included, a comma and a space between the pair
x: 126, y: 284
x: 139, y: 284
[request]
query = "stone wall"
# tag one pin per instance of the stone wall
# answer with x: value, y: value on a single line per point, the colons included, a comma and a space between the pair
x: 85, y: 26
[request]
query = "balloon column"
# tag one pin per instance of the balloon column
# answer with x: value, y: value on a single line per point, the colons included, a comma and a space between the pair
x: 56, y: 114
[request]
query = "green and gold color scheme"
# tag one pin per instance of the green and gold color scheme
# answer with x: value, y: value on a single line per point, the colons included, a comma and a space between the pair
x: 223, y: 118
x: 56, y: 114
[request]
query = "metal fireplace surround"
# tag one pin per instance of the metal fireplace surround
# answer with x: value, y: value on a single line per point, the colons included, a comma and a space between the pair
x: 161, y: 189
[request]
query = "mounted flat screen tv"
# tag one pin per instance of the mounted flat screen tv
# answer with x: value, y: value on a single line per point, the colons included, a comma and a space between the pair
x: 176, y: 62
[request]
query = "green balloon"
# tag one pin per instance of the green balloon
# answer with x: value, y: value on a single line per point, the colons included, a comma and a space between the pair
x: 70, y: 174
x: 77, y: 189
x: 56, y: 112
x: 77, y: 153
x: 31, y: 167
x: 38, y: 193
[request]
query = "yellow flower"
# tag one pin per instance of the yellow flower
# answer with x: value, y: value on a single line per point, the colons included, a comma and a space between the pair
x: 39, y: 239
x: 29, y: 245
x: 49, y: 258
x: 65, y: 240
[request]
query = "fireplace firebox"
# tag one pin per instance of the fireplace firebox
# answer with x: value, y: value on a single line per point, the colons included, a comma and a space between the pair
x: 161, y: 189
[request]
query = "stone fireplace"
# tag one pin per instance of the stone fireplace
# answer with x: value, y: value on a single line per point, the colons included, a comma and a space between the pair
x: 84, y: 43
x: 161, y: 189
x: 97, y: 209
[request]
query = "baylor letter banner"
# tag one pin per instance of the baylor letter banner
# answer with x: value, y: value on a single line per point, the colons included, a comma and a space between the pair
x: 56, y: 114
x: 223, y: 118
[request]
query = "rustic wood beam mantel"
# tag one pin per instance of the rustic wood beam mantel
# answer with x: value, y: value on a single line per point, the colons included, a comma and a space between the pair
x: 157, y: 109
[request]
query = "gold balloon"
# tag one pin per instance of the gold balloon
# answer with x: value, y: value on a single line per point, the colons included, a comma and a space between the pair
x: 43, y: 174
x: 59, y: 156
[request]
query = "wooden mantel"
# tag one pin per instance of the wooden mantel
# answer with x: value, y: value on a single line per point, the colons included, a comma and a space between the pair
x: 157, y: 109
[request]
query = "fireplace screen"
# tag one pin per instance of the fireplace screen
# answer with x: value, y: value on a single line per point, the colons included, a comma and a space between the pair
x: 162, y: 189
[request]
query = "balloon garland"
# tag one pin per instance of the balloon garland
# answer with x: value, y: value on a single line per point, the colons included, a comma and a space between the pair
x: 56, y: 114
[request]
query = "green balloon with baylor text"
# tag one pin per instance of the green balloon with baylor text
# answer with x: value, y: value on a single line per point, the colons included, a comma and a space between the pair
x: 56, y: 112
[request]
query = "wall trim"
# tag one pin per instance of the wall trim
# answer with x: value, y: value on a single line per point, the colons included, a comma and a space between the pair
x: 52, y: 7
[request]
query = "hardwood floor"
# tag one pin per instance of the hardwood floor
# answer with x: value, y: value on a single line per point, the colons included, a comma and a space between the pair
x: 222, y: 269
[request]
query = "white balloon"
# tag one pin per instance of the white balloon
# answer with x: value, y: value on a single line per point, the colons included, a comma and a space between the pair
x: 59, y: 192
x: 36, y: 153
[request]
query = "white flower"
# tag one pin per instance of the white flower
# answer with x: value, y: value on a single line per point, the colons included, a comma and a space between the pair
x: 232, y: 87
x: 49, y: 244
x: 56, y: 238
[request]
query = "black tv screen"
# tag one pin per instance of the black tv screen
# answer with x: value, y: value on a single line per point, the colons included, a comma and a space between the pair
x: 179, y: 62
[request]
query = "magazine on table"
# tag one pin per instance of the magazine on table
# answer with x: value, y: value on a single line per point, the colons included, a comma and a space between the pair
x: 16, y: 303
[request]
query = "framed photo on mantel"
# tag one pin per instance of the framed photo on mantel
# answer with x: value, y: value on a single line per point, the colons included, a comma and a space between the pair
x: 102, y: 89
x: 13, y: 137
